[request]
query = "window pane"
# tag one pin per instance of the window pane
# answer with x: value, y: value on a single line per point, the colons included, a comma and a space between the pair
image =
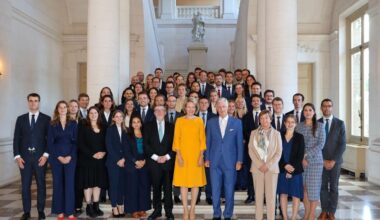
x: 366, y: 28
x: 355, y: 95
x: 366, y: 90
x: 356, y: 32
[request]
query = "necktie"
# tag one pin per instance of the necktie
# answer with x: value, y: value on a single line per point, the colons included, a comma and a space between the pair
x: 297, y: 117
x: 229, y: 89
x: 203, y: 89
x: 270, y: 108
x: 278, y: 123
x: 143, y: 114
x: 219, y: 92
x: 84, y: 113
x: 204, y: 118
x: 171, y: 118
x: 33, y: 122
x: 257, y: 119
x: 327, y: 128
x: 160, y: 131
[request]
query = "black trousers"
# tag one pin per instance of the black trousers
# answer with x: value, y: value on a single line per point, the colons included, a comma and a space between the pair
x: 162, y: 181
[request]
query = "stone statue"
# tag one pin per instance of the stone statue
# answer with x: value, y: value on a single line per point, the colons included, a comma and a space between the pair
x: 198, y: 27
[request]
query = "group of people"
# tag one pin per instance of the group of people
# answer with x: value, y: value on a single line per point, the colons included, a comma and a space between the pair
x: 214, y: 131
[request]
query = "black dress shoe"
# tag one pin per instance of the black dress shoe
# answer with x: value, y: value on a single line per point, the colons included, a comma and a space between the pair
x: 169, y: 216
x: 97, y: 210
x: 25, y: 216
x: 209, y: 201
x: 156, y: 214
x: 90, y: 211
x: 217, y: 218
x: 249, y: 200
x: 78, y: 212
x: 41, y: 215
x: 227, y: 218
x: 177, y: 200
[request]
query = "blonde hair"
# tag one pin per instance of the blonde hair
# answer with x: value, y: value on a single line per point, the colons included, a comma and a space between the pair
x: 244, y: 104
x: 190, y: 100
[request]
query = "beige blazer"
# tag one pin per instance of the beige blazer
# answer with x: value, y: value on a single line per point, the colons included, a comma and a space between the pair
x: 274, y: 151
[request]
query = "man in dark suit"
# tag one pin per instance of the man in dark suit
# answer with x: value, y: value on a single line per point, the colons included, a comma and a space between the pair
x: 219, y: 88
x: 83, y: 101
x: 250, y: 123
x: 333, y: 150
x: 205, y: 87
x: 159, y: 73
x: 30, y: 153
x: 298, y: 100
x: 228, y: 84
x: 268, y: 98
x: 158, y: 140
x: 143, y: 109
x: 156, y: 84
x: 205, y: 115
x: 278, y: 117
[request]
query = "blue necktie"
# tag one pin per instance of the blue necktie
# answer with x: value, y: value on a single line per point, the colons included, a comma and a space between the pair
x: 204, y: 118
x: 257, y: 119
x: 327, y: 128
x: 160, y: 131
x: 33, y: 123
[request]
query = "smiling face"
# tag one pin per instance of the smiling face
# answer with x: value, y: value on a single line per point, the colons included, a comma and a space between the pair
x: 190, y: 108
x: 136, y: 123
x: 290, y: 123
x: 265, y: 121
x: 93, y: 115
x: 73, y: 108
x: 62, y: 109
x: 107, y: 103
x: 308, y: 112
x: 33, y: 103
x: 118, y: 118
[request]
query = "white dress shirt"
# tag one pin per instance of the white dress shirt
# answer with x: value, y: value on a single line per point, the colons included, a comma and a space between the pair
x: 119, y: 130
x: 155, y: 156
x: 107, y: 115
x: 330, y: 120
x: 223, y: 125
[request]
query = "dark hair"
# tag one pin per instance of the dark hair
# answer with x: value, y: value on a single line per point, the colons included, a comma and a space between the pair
x: 125, y: 109
x: 83, y: 95
x: 256, y: 96
x: 169, y: 83
x: 175, y: 74
x: 237, y: 70
x: 326, y: 100
x: 243, y: 92
x: 187, y: 79
x: 131, y: 131
x: 56, y: 120
x: 314, y: 119
x: 203, y: 71
x: 193, y: 92
x: 222, y: 70
x: 256, y: 83
x: 100, y: 94
x: 123, y: 99
x: 230, y: 73
x: 151, y: 90
x: 195, y: 82
x: 251, y: 76
x: 33, y: 95
x: 265, y: 112
x: 144, y: 93
x: 158, y: 68
x: 197, y: 68
x: 249, y: 72
x: 267, y: 91
x: 290, y: 116
x: 212, y: 73
x: 98, y: 121
x: 278, y: 99
x: 203, y: 97
x: 103, y: 98
x: 155, y: 78
x: 299, y: 94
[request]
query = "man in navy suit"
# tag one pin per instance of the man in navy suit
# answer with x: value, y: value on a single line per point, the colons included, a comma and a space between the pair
x: 298, y: 100
x: 333, y: 150
x: 83, y: 101
x: 30, y: 153
x: 158, y: 72
x: 278, y: 117
x: 205, y: 87
x: 143, y: 109
x: 206, y: 115
x: 220, y: 89
x: 229, y: 80
x: 268, y: 98
x: 224, y: 156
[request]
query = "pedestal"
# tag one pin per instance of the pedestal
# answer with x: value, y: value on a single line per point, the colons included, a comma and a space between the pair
x: 197, y: 56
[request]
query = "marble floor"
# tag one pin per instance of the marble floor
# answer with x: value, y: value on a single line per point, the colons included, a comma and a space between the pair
x: 358, y: 199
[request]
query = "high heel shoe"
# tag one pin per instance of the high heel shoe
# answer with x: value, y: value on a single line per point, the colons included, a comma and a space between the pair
x: 72, y: 218
x: 115, y: 215
x: 61, y: 217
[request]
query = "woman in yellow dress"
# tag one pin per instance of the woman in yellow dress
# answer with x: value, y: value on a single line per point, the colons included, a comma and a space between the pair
x: 189, y: 144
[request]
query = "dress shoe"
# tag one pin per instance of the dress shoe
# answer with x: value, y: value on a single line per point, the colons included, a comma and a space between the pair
x: 209, y: 201
x: 331, y: 216
x: 227, y: 218
x: 217, y: 218
x: 156, y: 214
x: 142, y: 214
x: 60, y: 217
x: 25, y: 216
x: 78, y: 212
x: 97, y: 210
x: 136, y: 215
x: 41, y: 215
x: 169, y: 216
x: 322, y: 216
x: 249, y: 200
x: 177, y: 200
x: 90, y: 211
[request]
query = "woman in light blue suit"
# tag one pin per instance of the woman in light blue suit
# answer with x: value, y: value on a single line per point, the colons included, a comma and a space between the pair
x: 115, y: 138
x: 224, y: 156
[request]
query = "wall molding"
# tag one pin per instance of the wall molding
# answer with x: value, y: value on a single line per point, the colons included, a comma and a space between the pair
x: 187, y: 23
x: 35, y: 24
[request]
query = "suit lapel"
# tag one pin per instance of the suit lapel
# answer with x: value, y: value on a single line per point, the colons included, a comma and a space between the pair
x: 218, y: 127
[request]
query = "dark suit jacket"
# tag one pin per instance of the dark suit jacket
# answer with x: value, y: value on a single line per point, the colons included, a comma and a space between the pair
x: 292, y: 112
x: 274, y: 123
x: 296, y: 154
x: 115, y: 145
x: 207, y: 90
x: 149, y: 116
x: 105, y: 123
x: 23, y: 135
x: 177, y: 115
x: 209, y: 115
x: 224, y: 93
x: 152, y: 145
x: 248, y: 125
x: 131, y: 154
x: 335, y: 141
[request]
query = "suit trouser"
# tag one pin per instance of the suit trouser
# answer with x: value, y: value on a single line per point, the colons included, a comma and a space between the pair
x: 63, y: 187
x: 265, y: 184
x: 79, y: 194
x: 31, y: 168
x: 116, y: 177
x: 162, y: 179
x: 329, y: 189
x: 223, y: 178
x: 246, y: 173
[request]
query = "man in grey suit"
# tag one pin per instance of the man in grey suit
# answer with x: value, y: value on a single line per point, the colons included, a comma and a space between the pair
x: 332, y: 159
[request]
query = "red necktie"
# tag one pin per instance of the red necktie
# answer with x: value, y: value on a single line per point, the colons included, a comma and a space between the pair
x: 219, y: 92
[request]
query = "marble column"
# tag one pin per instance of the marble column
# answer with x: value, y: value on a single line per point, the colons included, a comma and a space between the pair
x: 373, y: 153
x: 168, y: 9
x: 261, y: 49
x: 281, y: 49
x: 103, y: 47
x: 229, y: 9
x: 125, y: 74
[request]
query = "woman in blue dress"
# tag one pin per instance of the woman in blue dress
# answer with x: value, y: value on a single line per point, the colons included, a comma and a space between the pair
x: 314, y: 136
x: 62, y: 136
x: 290, y: 178
x: 137, y: 184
